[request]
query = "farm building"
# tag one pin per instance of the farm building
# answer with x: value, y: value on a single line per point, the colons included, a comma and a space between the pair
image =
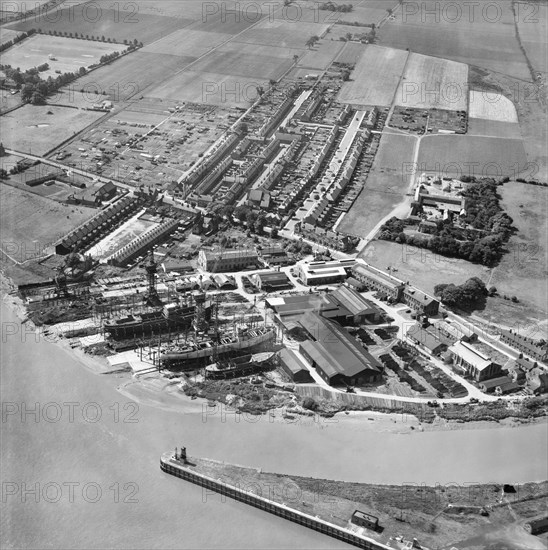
x: 335, y: 354
x: 227, y: 260
x: 292, y: 365
x: 473, y: 363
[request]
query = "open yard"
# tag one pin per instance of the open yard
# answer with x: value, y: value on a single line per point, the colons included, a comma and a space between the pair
x: 30, y: 224
x: 485, y: 37
x: 60, y: 53
x: 90, y: 18
x: 433, y: 83
x: 375, y: 79
x: 491, y: 106
x: 385, y: 188
x: 455, y: 155
x: 39, y: 129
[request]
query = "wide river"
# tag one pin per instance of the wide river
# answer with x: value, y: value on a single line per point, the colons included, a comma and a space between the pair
x: 99, y: 484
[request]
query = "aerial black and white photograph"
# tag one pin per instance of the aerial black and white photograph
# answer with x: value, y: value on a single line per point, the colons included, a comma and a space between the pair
x: 274, y: 274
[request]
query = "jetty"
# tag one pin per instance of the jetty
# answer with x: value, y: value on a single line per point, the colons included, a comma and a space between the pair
x: 200, y: 472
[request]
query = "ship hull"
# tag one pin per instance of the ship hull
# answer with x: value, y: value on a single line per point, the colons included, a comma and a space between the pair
x: 178, y: 357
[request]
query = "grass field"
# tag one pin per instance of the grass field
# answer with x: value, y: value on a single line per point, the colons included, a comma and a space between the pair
x: 239, y: 64
x: 211, y: 88
x: 281, y: 33
x: 484, y: 156
x: 372, y: 11
x: 524, y: 270
x: 130, y: 76
x: 90, y: 18
x: 493, y: 128
x: 491, y: 107
x: 351, y: 52
x: 321, y: 55
x: 375, y: 78
x: 6, y: 35
x: 30, y: 223
x: 70, y: 53
x: 433, y: 83
x: 420, y: 266
x: 533, y: 29
x: 8, y: 100
x: 385, y: 188
x: 449, y: 30
x: 32, y: 130
x: 187, y: 43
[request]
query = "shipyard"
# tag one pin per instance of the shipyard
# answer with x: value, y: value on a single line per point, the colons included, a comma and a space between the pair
x: 257, y: 219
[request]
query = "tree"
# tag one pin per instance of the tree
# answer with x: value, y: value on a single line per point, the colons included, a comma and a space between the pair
x: 38, y: 99
x: 274, y: 233
x: 311, y: 41
x: 295, y: 58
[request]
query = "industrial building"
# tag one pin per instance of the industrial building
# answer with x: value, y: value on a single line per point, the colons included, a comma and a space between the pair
x: 335, y: 354
x: 322, y: 273
x: 422, y: 337
x: 227, y: 260
x: 271, y: 280
x: 379, y: 281
x: 292, y: 365
x: 473, y: 363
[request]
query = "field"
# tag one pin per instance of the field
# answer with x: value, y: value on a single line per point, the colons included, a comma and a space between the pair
x: 433, y: 83
x: 7, y: 35
x: 449, y: 30
x: 493, y: 128
x: 531, y: 109
x: 237, y: 63
x: 210, y: 88
x: 385, y: 188
x: 524, y: 271
x: 457, y: 154
x: 321, y: 55
x: 375, y: 79
x: 70, y: 53
x: 491, y: 107
x: 351, y: 53
x: 30, y: 223
x: 187, y: 43
x: 9, y: 100
x: 420, y: 266
x: 281, y: 33
x: 372, y: 11
x: 91, y: 19
x: 32, y: 130
x: 533, y: 29
x: 129, y: 76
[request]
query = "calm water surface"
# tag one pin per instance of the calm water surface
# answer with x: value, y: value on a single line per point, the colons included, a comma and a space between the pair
x: 121, y: 460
